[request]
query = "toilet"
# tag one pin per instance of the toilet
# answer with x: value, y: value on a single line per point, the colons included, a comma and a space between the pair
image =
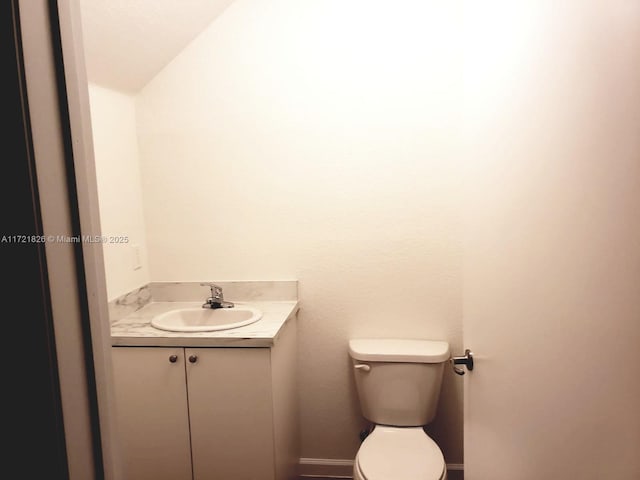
x: 398, y: 383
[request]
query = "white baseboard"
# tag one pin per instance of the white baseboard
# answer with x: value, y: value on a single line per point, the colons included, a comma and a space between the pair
x: 326, y: 467
x: 337, y: 468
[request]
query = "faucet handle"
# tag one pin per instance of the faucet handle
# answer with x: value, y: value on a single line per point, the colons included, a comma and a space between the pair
x: 216, y: 290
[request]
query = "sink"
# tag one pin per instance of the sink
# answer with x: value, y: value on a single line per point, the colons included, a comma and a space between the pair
x: 205, y: 319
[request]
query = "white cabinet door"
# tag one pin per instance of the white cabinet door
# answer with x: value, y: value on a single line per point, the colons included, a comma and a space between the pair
x: 552, y: 271
x: 151, y: 403
x: 231, y: 413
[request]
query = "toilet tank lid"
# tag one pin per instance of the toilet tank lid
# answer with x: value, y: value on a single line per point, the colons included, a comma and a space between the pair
x: 399, y: 350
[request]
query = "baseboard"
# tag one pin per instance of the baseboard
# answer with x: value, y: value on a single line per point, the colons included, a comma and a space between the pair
x: 326, y: 468
x: 331, y: 468
x: 455, y: 471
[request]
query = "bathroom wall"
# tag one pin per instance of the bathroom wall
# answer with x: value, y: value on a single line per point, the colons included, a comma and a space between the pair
x: 316, y: 141
x: 113, y: 121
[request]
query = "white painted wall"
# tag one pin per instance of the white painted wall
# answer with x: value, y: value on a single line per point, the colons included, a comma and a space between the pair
x: 113, y: 121
x: 314, y: 140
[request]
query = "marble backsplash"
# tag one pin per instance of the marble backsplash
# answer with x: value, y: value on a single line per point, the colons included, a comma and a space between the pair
x: 129, y: 303
x: 235, y: 291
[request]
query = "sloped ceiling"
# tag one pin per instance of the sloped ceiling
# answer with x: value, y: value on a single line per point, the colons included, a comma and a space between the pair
x: 127, y: 42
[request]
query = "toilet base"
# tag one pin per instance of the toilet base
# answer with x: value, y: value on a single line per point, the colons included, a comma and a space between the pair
x: 357, y: 475
x: 400, y: 452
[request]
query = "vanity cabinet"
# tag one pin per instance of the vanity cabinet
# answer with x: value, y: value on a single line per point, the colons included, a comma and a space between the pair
x: 152, y: 412
x: 208, y: 413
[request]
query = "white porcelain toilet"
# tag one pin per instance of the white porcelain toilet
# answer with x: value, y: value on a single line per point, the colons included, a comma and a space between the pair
x: 398, y: 383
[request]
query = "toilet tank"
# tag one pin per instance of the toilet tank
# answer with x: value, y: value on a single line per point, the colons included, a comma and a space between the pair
x: 398, y: 380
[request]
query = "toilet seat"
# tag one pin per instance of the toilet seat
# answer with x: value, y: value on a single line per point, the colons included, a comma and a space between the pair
x: 400, y: 453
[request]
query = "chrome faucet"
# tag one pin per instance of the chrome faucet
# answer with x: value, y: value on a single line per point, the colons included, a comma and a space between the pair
x: 216, y: 300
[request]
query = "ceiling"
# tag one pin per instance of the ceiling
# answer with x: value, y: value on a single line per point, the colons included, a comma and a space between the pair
x: 127, y: 42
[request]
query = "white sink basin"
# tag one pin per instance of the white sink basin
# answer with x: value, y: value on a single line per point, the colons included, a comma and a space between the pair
x: 205, y: 319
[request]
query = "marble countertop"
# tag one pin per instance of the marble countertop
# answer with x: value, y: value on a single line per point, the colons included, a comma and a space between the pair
x: 135, y: 329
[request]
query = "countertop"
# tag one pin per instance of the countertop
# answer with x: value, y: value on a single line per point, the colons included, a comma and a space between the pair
x: 135, y: 329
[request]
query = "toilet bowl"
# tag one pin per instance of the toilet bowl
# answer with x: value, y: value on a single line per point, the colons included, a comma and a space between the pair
x: 398, y: 383
x: 399, y: 453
